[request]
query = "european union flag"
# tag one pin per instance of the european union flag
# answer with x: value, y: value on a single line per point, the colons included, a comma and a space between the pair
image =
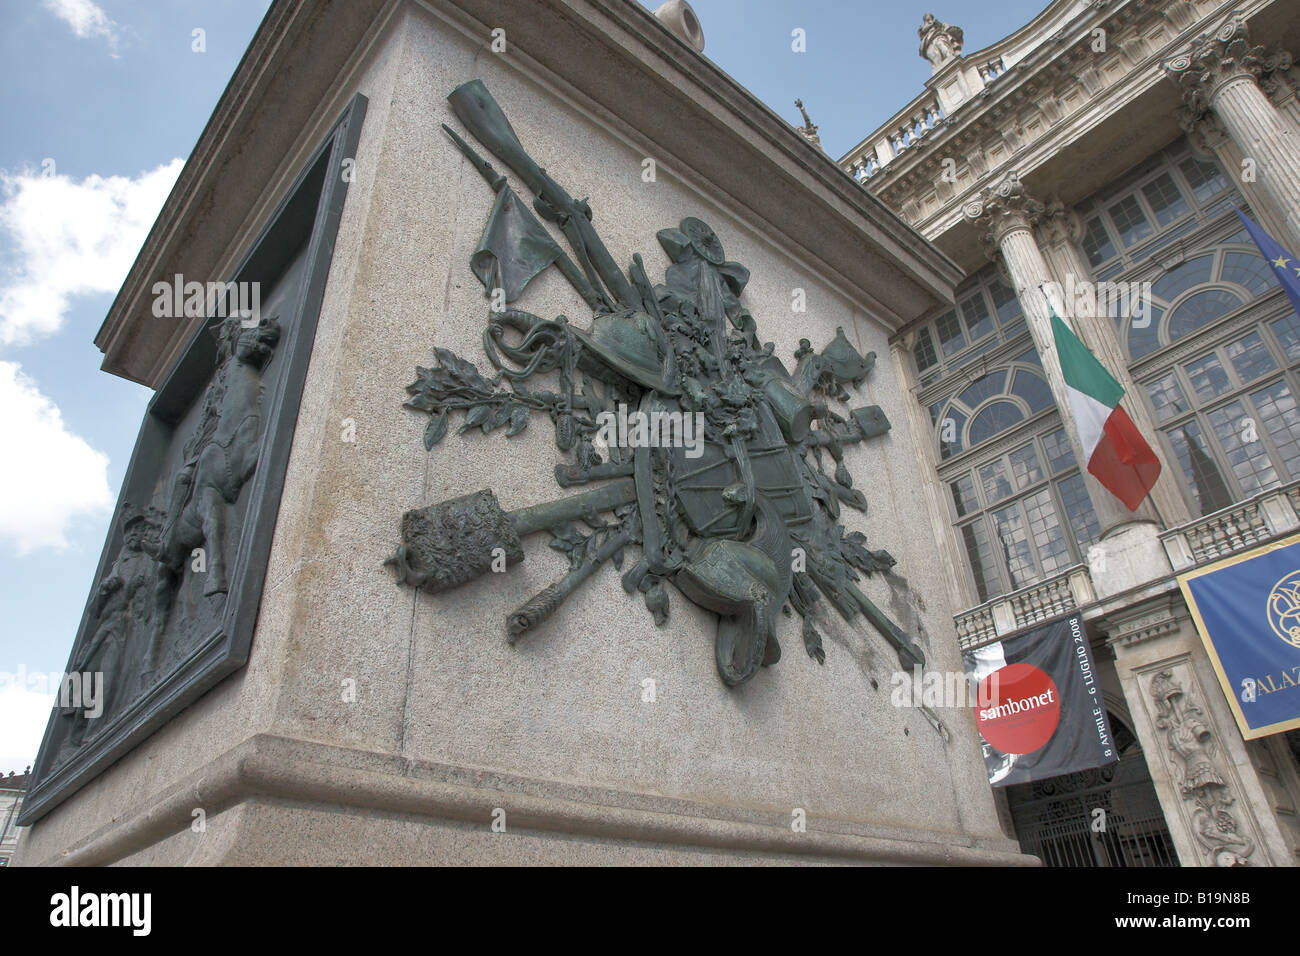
x: 1285, y: 266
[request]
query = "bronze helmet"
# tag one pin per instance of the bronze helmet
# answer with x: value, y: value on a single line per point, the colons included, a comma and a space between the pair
x: 633, y: 346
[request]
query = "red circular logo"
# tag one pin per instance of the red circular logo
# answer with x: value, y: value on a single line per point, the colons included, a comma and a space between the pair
x: 1022, y: 711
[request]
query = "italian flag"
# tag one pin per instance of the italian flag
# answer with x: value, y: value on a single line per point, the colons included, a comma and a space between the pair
x: 1117, y: 453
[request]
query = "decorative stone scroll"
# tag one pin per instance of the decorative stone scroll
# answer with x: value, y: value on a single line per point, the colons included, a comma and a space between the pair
x: 1200, y: 783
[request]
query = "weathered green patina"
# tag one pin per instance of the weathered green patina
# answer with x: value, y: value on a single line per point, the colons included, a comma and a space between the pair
x: 741, y: 515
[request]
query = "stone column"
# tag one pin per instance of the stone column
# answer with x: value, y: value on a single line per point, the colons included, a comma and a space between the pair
x: 1221, y: 73
x: 1059, y: 232
x: 1220, y: 794
x: 1007, y: 214
x: 1282, y: 84
x: 1206, y: 134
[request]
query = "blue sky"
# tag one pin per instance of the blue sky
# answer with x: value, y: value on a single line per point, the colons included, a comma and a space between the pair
x: 105, y: 100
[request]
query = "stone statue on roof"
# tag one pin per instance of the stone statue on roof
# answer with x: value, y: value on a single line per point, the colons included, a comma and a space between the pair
x: 939, y: 41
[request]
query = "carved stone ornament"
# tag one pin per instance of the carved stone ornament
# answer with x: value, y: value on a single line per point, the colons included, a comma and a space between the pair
x: 1060, y: 224
x: 1215, y: 59
x: 808, y: 130
x: 1190, y: 740
x: 1204, y: 131
x: 939, y: 41
x: 1002, y: 208
x: 696, y: 439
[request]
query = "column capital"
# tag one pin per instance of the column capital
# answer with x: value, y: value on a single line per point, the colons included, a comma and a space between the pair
x: 1003, y: 208
x: 1204, y: 131
x: 1060, y: 224
x: 1214, y: 60
x: 1280, y: 75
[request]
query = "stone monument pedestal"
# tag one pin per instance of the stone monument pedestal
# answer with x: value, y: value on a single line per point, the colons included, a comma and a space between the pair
x: 375, y: 724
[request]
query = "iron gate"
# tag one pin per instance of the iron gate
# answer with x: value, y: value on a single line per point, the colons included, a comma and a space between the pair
x: 1105, y: 817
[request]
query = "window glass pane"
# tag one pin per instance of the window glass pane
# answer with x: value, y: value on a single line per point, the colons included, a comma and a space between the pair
x: 975, y: 311
x: 1005, y: 301
x: 972, y: 355
x: 1096, y: 243
x: 1250, y: 357
x: 1248, y: 459
x: 1046, y: 533
x: 1130, y: 221
x: 1200, y: 469
x: 1208, y: 377
x: 995, y: 481
x: 1287, y: 330
x: 1032, y: 389
x: 1279, y: 417
x: 1145, y: 339
x: 950, y: 427
x: 1030, y: 357
x: 1167, y: 397
x: 994, y: 419
x: 1182, y: 277
x: 950, y: 336
x: 1078, y: 508
x: 923, y: 351
x: 1012, y: 539
x: 986, y: 386
x: 1164, y: 199
x: 980, y: 555
x: 1025, y: 469
x: 1059, y: 453
x: 1015, y: 328
x: 963, y: 496
x: 1200, y: 310
x: 1250, y: 271
x: 1204, y: 178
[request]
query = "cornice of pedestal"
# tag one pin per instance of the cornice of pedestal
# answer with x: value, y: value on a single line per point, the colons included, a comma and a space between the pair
x: 634, y: 77
x: 1002, y: 209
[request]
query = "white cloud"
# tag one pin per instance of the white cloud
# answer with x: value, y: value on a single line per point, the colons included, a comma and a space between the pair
x: 70, y: 238
x: 24, y: 713
x: 87, y: 20
x: 50, y: 475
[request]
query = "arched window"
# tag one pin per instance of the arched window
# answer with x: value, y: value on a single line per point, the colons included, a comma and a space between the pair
x: 988, y: 406
x: 1227, y: 412
x: 994, y: 419
x: 1199, y: 310
x: 1194, y: 295
x: 1020, y: 506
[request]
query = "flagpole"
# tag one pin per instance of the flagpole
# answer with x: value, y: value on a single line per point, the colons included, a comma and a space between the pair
x: 1051, y: 309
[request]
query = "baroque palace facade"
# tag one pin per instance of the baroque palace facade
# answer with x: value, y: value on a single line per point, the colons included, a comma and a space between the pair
x: 1109, y: 143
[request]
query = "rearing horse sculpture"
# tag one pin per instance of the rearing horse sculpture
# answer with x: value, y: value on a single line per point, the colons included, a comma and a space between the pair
x: 219, y: 459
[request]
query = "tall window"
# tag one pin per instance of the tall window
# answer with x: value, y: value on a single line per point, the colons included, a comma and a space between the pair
x: 1228, y: 412
x: 1018, y: 501
x: 987, y: 315
x: 1216, y: 357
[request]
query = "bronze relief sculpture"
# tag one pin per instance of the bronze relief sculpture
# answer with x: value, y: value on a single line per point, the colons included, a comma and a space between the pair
x: 218, y: 460
x: 178, y: 588
x: 131, y: 606
x: 701, y: 447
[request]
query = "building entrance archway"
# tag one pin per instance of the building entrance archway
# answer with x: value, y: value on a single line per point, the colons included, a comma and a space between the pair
x: 1109, y: 816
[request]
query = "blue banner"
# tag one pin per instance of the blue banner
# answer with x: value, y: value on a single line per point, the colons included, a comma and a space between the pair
x: 1247, y: 610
